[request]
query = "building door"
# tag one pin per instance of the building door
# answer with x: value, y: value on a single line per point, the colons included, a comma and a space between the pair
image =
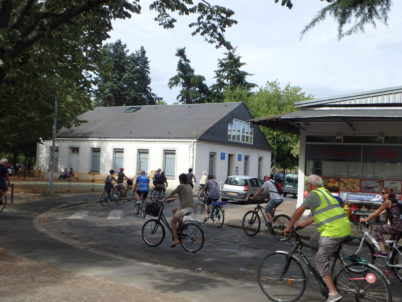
x: 74, y: 158
x: 246, y: 164
x: 260, y: 167
x: 231, y: 163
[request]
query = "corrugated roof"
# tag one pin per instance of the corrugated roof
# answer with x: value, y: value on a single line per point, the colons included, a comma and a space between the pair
x: 384, y: 96
x: 153, y: 121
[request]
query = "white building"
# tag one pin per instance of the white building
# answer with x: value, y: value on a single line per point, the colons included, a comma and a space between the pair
x: 215, y: 138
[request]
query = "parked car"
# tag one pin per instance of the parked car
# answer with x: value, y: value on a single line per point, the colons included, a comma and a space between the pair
x: 290, y: 185
x: 240, y: 188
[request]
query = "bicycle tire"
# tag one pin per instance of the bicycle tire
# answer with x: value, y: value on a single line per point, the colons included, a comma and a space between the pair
x: 143, y: 209
x: 395, y: 259
x: 129, y: 194
x: 199, y: 211
x: 153, y: 232
x: 251, y: 223
x: 281, y: 277
x: 282, y: 221
x: 366, y: 283
x: 103, y: 199
x: 348, y: 255
x: 202, y: 198
x: 191, y: 237
x: 137, y: 207
x: 218, y: 216
x: 153, y: 195
x: 363, y: 227
x: 4, y: 202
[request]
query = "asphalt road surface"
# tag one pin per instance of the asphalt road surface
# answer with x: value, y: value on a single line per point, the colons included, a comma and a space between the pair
x: 101, y: 249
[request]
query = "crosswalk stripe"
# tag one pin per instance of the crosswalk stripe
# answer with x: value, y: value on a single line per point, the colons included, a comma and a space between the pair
x: 115, y: 214
x: 79, y: 215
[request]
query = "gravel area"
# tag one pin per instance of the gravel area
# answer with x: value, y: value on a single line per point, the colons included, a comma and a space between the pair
x: 23, y: 280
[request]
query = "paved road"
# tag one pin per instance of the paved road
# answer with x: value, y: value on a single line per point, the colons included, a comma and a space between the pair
x: 105, y: 243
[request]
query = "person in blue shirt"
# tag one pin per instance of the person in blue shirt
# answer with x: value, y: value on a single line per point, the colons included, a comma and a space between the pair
x: 141, y: 186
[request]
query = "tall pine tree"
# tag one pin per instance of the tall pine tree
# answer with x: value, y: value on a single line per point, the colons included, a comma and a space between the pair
x: 193, y: 88
x: 123, y: 78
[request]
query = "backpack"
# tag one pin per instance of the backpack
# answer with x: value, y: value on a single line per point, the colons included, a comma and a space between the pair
x: 278, y: 187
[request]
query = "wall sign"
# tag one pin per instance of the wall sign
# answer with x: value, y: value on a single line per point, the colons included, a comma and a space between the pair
x: 223, y: 155
x: 239, y: 156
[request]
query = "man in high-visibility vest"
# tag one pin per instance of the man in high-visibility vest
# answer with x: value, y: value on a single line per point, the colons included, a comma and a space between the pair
x: 331, y: 223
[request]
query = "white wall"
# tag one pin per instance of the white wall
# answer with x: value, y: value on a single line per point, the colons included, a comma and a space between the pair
x: 202, y: 159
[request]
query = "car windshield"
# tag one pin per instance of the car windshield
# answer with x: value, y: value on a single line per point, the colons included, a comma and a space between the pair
x: 291, y: 179
x: 235, y: 181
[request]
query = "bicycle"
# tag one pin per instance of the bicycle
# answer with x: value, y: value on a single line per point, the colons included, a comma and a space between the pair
x: 116, y: 197
x: 282, y: 277
x: 361, y: 250
x: 216, y: 214
x: 251, y: 223
x: 157, y: 193
x: 190, y: 234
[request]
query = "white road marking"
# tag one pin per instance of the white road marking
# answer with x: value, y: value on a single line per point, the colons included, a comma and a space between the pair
x: 79, y: 215
x: 115, y: 214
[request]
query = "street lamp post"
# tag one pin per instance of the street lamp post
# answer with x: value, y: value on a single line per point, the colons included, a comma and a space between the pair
x: 53, y: 149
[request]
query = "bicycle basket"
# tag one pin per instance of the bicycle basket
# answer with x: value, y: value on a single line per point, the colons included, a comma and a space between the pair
x: 152, y: 209
x: 129, y: 182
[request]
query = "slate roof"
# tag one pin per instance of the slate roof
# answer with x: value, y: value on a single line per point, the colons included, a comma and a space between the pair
x: 152, y: 121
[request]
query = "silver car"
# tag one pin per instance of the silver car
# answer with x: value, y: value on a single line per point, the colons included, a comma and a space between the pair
x: 240, y: 188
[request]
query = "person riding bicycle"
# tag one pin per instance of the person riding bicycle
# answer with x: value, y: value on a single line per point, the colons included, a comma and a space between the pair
x: 394, y: 229
x: 120, y: 178
x: 141, y: 187
x: 4, y: 180
x: 190, y: 176
x: 109, y: 185
x: 159, y: 181
x: 275, y: 198
x: 332, y: 224
x: 211, y: 188
x: 203, y: 181
x: 185, y: 192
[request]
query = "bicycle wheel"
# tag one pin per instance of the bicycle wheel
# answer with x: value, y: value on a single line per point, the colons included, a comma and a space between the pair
x: 199, y: 211
x: 395, y: 259
x: 281, y: 277
x: 143, y: 209
x: 153, y: 232
x: 154, y: 195
x: 282, y: 222
x: 103, y: 199
x: 137, y: 207
x: 129, y: 194
x: 191, y: 237
x: 362, y: 282
x: 251, y: 223
x: 201, y: 198
x: 218, y: 216
x: 350, y: 252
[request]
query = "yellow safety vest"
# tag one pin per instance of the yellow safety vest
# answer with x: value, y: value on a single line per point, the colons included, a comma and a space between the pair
x: 329, y: 217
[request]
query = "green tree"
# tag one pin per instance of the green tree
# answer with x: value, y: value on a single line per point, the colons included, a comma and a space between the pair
x: 358, y: 13
x: 193, y: 88
x: 229, y: 75
x: 123, y: 78
x: 274, y: 100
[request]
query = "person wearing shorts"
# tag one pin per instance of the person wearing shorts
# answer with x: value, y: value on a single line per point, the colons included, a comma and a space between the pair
x: 142, y: 186
x: 275, y: 199
x: 211, y: 188
x: 332, y: 224
x: 185, y: 192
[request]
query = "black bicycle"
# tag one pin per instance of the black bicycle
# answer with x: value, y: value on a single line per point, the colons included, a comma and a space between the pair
x: 116, y: 194
x: 153, y: 232
x: 251, y: 223
x: 282, y: 277
x: 216, y: 212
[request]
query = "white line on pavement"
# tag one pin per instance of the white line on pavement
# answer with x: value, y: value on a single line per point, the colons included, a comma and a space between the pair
x: 115, y: 214
x: 79, y: 215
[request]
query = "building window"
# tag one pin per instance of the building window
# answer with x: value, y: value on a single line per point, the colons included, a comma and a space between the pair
x: 246, y: 164
x: 95, y: 160
x: 142, y: 160
x: 212, y: 163
x: 56, y: 158
x: 169, y: 162
x: 240, y: 131
x: 118, y: 155
x: 75, y: 158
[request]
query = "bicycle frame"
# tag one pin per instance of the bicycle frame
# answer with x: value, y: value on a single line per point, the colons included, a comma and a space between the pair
x: 162, y: 219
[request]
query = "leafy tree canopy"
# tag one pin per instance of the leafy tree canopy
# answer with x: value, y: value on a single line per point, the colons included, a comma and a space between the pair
x: 123, y: 78
x: 193, y: 88
x: 356, y: 13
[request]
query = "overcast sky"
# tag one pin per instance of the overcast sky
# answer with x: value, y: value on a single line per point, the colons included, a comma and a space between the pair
x: 267, y: 38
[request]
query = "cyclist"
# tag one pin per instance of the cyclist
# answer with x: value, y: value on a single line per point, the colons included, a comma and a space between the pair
x: 159, y: 182
x: 275, y: 198
x: 185, y: 193
x: 211, y: 188
x: 142, y: 187
x: 332, y: 224
x: 4, y: 180
x: 109, y: 185
x: 120, y: 179
x: 203, y: 180
x: 394, y: 229
x: 190, y: 176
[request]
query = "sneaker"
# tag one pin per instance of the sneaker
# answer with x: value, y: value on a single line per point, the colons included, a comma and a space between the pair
x: 334, y: 298
x: 380, y: 255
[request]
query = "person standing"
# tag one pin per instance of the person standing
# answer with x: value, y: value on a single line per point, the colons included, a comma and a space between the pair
x: 4, y: 180
x: 109, y: 185
x: 190, y: 176
x: 332, y: 224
